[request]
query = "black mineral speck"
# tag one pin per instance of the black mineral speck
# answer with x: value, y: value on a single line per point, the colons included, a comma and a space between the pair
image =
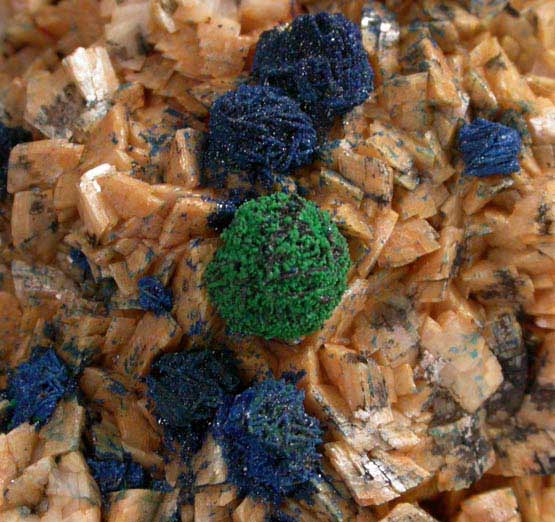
x: 9, y: 138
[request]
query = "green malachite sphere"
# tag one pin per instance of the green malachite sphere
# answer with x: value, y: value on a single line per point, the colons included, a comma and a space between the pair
x: 281, y: 270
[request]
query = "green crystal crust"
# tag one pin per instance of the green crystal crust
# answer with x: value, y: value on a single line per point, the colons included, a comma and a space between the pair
x: 281, y: 270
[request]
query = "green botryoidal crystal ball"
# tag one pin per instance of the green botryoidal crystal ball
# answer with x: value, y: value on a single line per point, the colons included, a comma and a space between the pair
x: 281, y: 270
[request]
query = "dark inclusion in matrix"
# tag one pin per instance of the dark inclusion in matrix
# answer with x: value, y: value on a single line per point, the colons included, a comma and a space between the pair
x: 36, y: 387
x: 153, y: 296
x: 269, y: 442
x: 223, y: 216
x: 489, y: 148
x: 319, y: 61
x: 260, y: 131
x: 9, y: 138
x: 187, y: 388
x: 278, y: 516
x: 79, y: 259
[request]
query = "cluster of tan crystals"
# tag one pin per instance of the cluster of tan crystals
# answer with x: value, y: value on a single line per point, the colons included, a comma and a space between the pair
x: 434, y: 378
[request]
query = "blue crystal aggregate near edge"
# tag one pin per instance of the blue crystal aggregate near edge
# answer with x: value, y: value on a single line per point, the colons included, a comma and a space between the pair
x: 489, y: 148
x: 318, y: 60
x: 260, y: 131
x: 269, y: 442
x: 36, y: 386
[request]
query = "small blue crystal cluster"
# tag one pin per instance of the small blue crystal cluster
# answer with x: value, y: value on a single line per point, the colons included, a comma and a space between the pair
x: 489, y: 148
x: 36, y: 387
x: 114, y: 475
x: 117, y: 474
x: 308, y: 73
x: 9, y: 138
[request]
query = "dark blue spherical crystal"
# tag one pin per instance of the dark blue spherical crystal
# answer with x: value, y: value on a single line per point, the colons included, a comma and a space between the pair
x: 36, y: 387
x: 260, y: 131
x: 318, y: 60
x: 269, y: 441
x: 153, y: 296
x: 489, y: 148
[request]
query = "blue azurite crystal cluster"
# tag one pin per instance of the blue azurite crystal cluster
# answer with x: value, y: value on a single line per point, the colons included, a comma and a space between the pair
x: 117, y: 474
x: 489, y: 148
x: 114, y: 475
x: 269, y: 441
x: 36, y: 387
x: 257, y: 129
x: 318, y: 61
x: 308, y: 73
